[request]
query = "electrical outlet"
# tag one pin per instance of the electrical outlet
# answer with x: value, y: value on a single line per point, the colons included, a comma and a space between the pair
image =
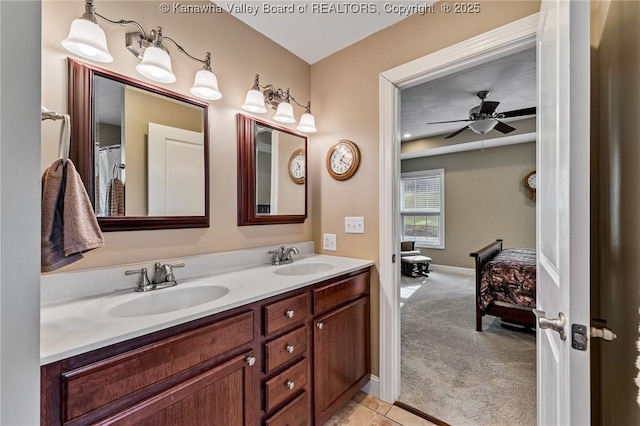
x: 329, y: 242
x: 354, y: 225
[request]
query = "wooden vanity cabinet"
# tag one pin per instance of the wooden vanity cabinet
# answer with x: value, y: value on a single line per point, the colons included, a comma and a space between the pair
x: 292, y: 359
x: 159, y: 376
x: 341, y: 338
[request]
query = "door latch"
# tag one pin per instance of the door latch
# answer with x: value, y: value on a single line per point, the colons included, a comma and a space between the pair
x: 579, y: 337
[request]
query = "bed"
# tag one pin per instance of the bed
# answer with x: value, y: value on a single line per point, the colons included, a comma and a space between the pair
x: 505, y: 284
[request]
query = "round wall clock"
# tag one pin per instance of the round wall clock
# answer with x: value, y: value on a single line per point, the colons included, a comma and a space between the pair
x: 530, y: 183
x: 297, y: 163
x: 343, y: 160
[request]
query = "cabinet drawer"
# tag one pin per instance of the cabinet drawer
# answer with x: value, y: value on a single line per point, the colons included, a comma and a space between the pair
x: 295, y: 413
x: 335, y: 294
x: 106, y: 381
x: 286, y: 384
x: 285, y: 348
x: 285, y: 313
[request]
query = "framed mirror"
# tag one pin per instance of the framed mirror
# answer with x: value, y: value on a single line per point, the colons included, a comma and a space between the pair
x: 141, y: 151
x: 272, y: 170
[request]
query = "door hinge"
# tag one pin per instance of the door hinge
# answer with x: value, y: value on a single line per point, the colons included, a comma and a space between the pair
x: 580, y: 339
x: 393, y: 258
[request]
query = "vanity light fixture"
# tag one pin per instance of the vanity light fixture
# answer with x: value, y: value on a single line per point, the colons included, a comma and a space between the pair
x: 88, y: 40
x: 280, y: 100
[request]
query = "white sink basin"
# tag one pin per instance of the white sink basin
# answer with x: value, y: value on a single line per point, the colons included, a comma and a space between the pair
x: 307, y: 268
x: 167, y: 300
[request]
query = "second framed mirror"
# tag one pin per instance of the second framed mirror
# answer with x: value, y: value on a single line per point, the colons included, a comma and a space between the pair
x: 272, y: 170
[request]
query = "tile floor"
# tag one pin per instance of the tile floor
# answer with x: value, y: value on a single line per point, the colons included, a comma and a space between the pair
x: 367, y: 410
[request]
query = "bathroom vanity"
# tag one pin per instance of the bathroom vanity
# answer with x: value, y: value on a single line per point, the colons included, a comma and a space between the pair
x: 290, y: 357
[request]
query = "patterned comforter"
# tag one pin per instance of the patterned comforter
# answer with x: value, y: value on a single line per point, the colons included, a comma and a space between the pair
x: 510, y: 277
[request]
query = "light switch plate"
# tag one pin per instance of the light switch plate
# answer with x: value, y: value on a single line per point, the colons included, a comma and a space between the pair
x: 354, y: 225
x: 329, y: 242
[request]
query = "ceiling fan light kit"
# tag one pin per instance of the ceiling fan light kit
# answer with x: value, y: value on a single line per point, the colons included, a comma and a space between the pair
x: 484, y: 118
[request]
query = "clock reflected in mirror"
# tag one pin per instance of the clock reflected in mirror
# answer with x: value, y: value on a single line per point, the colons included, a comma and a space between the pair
x: 530, y: 184
x: 343, y: 160
x: 297, y: 166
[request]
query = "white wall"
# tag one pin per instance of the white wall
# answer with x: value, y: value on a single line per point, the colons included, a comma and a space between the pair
x: 20, y: 212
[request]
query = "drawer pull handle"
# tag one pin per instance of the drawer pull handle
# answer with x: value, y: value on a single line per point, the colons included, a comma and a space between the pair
x: 251, y: 360
x: 290, y: 349
x: 290, y: 314
x: 290, y: 385
x: 320, y: 325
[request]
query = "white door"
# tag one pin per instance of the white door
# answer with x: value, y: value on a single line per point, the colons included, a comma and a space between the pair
x: 563, y: 208
x: 175, y: 171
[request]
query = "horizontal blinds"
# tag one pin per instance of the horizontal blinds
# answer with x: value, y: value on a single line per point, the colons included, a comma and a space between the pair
x: 420, y: 194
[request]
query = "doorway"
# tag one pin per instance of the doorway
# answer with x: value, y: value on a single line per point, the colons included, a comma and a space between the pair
x: 511, y: 38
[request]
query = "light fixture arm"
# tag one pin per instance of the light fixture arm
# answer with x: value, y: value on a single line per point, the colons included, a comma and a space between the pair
x: 206, y: 61
x: 154, y: 38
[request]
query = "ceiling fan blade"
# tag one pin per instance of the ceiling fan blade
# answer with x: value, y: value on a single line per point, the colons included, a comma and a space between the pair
x: 504, y: 128
x: 519, y: 112
x: 457, y: 133
x: 488, y: 107
x: 452, y: 121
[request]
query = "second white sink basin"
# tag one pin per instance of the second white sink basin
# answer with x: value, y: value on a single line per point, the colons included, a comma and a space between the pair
x: 167, y: 300
x: 307, y: 268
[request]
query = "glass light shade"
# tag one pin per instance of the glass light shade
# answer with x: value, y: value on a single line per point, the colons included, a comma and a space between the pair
x: 307, y: 123
x: 254, y: 102
x: 156, y: 65
x: 87, y: 39
x: 483, y: 126
x: 284, y: 113
x: 205, y: 86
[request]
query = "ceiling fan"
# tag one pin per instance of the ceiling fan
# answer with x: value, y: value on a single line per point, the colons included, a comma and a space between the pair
x: 484, y: 117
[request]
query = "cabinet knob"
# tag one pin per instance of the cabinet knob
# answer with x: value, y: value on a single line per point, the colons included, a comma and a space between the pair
x: 290, y: 349
x: 320, y: 325
x: 290, y: 384
x: 251, y: 360
x: 290, y: 314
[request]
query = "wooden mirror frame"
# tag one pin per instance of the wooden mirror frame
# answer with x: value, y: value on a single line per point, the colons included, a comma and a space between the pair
x: 82, y: 150
x: 247, y: 175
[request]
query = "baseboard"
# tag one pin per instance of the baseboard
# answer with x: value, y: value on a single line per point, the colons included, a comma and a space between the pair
x: 453, y: 270
x: 372, y: 387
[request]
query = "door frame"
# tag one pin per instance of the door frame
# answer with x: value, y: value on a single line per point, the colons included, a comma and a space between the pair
x: 510, y: 38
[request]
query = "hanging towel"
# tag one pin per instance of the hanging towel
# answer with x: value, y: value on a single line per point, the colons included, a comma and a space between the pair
x: 69, y: 225
x: 115, y: 198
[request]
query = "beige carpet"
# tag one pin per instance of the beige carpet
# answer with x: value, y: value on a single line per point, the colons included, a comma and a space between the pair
x: 454, y: 373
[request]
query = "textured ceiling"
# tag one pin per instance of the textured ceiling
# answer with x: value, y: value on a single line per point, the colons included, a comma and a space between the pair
x: 511, y: 80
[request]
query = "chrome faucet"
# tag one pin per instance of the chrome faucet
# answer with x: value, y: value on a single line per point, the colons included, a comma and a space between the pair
x: 283, y: 255
x: 162, y: 278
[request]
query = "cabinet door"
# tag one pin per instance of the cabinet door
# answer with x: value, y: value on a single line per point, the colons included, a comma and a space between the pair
x: 220, y: 396
x: 341, y: 352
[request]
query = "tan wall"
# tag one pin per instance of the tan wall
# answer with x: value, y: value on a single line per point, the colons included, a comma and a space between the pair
x: 140, y: 109
x: 522, y: 126
x: 617, y: 49
x: 345, y: 103
x: 485, y: 199
x: 238, y: 54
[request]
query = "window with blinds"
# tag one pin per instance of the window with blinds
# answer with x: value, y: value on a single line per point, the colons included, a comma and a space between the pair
x: 422, y: 208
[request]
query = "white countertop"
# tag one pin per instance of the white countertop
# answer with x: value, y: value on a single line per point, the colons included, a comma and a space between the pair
x: 71, y: 326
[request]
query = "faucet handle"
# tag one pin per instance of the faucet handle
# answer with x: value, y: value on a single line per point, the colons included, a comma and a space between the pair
x: 275, y: 258
x: 176, y: 265
x: 144, y: 284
